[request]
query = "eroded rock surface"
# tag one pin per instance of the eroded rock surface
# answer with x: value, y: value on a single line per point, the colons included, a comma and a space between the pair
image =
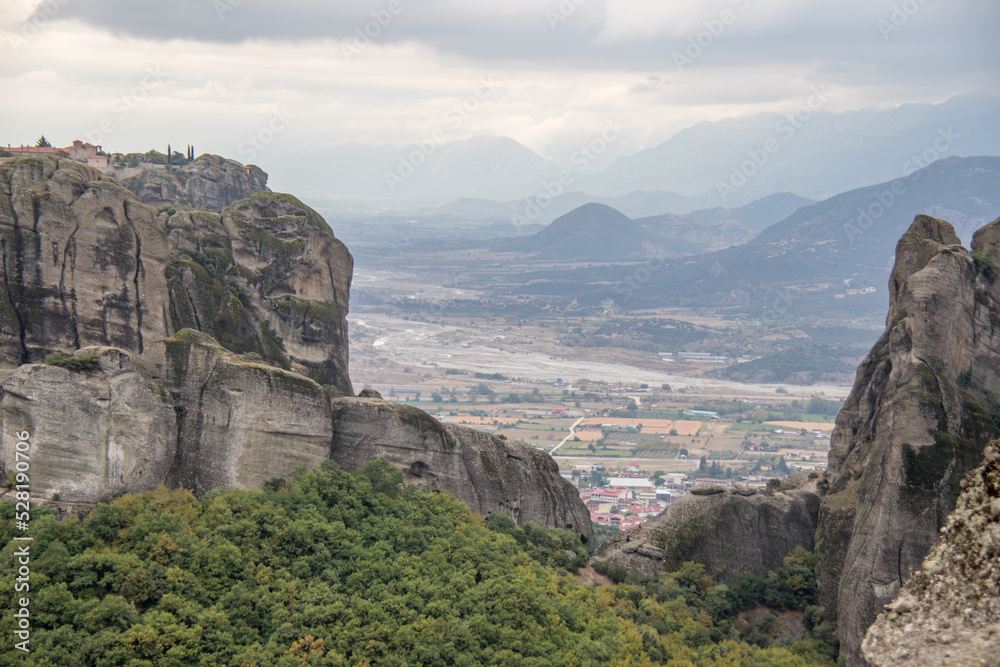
x: 84, y: 262
x: 92, y: 434
x: 732, y: 531
x: 923, y: 405
x: 241, y: 422
x: 485, y: 472
x: 949, y: 612
x: 210, y: 180
x: 265, y: 276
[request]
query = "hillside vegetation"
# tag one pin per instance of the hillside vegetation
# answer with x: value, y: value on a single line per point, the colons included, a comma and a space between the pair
x: 342, y: 569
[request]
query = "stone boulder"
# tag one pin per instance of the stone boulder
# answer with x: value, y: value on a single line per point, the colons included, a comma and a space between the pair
x: 92, y: 433
x: 487, y: 473
x: 266, y: 276
x: 922, y: 406
x: 948, y: 613
x: 732, y: 531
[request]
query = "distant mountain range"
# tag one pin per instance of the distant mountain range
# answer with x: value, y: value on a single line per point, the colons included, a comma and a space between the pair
x: 757, y: 214
x: 729, y: 163
x: 596, y: 232
x: 831, y: 256
x: 817, y: 154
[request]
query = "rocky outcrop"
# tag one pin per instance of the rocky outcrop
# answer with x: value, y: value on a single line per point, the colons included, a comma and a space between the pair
x: 266, y: 276
x: 949, y: 612
x: 732, y: 531
x: 91, y: 434
x: 240, y: 422
x: 485, y: 472
x: 84, y: 262
x: 209, y: 181
x: 923, y: 404
x: 193, y: 414
x: 240, y: 318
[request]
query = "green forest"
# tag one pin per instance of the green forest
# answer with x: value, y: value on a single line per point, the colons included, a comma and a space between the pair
x: 358, y: 569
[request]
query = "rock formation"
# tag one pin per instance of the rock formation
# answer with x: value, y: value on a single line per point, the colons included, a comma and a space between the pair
x: 949, y: 612
x: 209, y: 181
x: 83, y: 262
x: 240, y: 422
x: 91, y: 434
x: 485, y: 472
x: 193, y: 414
x: 266, y: 276
x: 86, y: 263
x: 221, y: 340
x: 732, y: 531
x: 923, y: 404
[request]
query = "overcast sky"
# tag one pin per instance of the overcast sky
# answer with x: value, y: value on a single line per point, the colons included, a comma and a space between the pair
x: 214, y: 72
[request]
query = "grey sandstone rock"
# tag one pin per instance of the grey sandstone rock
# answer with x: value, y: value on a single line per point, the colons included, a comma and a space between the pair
x: 483, y: 471
x: 241, y: 422
x: 83, y: 262
x: 92, y: 434
x: 914, y: 423
x: 948, y: 613
x: 86, y: 263
x: 732, y: 531
x: 210, y: 180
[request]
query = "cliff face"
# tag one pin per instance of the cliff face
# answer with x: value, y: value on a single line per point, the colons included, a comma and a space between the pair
x: 210, y: 180
x: 265, y: 276
x: 92, y: 434
x: 192, y: 414
x: 923, y: 404
x: 221, y: 341
x: 949, y: 612
x: 240, y: 423
x: 85, y: 263
x: 732, y: 531
x: 483, y: 471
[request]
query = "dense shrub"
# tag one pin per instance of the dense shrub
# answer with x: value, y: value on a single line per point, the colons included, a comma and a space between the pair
x: 339, y: 569
x: 82, y: 363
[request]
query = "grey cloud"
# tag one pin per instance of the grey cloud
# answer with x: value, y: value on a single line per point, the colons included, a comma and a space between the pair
x: 937, y: 35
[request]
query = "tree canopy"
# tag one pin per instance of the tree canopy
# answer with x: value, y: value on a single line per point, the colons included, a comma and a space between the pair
x: 341, y: 569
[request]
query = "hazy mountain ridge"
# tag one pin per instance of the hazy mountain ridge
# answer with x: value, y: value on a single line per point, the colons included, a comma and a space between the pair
x: 817, y: 157
x: 600, y: 233
x: 843, y: 243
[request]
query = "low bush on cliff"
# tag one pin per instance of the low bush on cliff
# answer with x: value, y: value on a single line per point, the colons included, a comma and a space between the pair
x: 335, y: 569
x: 85, y: 362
